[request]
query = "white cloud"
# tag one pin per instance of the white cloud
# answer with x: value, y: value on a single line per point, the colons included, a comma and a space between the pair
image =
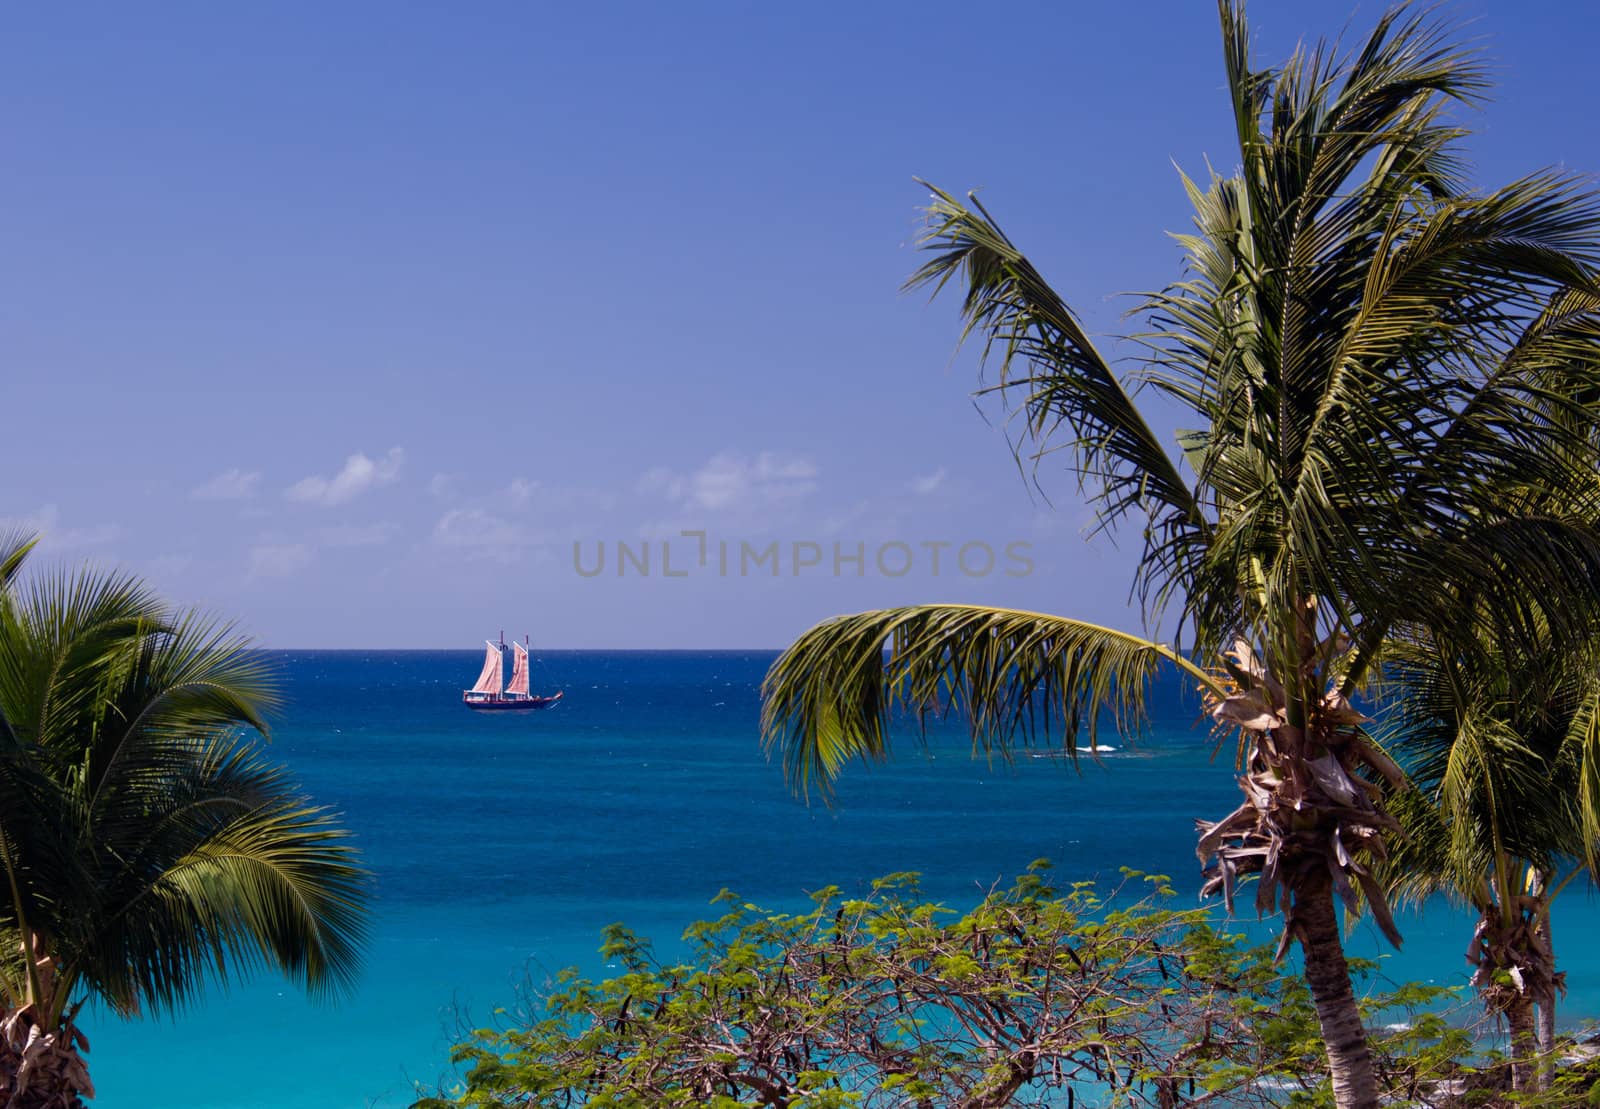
x: 482, y: 534
x: 719, y: 483
x: 230, y: 485
x: 922, y: 486
x: 734, y: 481
x: 535, y: 494
x: 276, y: 560
x: 46, y: 524
x: 442, y: 486
x: 784, y: 467
x: 360, y: 473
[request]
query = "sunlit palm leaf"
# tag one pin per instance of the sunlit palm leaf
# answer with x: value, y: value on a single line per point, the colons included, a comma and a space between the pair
x: 15, y: 546
x: 1018, y: 677
x: 1048, y: 367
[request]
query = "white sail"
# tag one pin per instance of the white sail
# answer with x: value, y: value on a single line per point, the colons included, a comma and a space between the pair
x: 519, y: 670
x: 489, y: 681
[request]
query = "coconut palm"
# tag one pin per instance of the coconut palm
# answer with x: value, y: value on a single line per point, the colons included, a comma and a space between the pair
x: 146, y: 847
x: 1366, y: 350
x: 1503, y: 750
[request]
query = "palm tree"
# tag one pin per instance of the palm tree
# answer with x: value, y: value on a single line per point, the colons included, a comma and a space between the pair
x: 145, y: 846
x: 1366, y: 350
x: 1503, y: 751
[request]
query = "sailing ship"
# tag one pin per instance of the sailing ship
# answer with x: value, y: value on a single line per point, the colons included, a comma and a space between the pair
x: 488, y: 694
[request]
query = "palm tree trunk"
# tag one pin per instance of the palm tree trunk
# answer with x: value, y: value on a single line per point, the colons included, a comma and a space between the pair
x: 1545, y: 1030
x: 1355, y: 1081
x: 1545, y: 1038
x: 1519, y: 1015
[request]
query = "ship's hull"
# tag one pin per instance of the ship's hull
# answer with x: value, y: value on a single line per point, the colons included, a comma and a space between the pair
x: 510, y: 704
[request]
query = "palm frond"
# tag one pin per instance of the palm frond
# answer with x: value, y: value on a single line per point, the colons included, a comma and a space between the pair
x: 236, y: 871
x: 15, y: 546
x: 1582, y: 748
x: 835, y: 693
x: 193, y: 678
x: 1049, y: 368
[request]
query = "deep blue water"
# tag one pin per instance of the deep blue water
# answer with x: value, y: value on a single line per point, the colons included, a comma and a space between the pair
x: 503, y: 844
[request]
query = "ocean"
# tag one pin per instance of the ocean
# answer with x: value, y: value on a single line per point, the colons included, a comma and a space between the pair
x: 502, y: 845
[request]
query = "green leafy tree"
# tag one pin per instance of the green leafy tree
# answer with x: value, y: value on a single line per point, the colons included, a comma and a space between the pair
x: 145, y: 845
x: 1367, y: 352
x: 1033, y: 997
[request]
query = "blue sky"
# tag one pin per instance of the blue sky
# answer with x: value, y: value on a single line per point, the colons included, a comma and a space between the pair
x: 350, y: 320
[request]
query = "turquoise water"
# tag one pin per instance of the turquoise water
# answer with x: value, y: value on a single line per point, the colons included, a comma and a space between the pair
x: 502, y: 845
